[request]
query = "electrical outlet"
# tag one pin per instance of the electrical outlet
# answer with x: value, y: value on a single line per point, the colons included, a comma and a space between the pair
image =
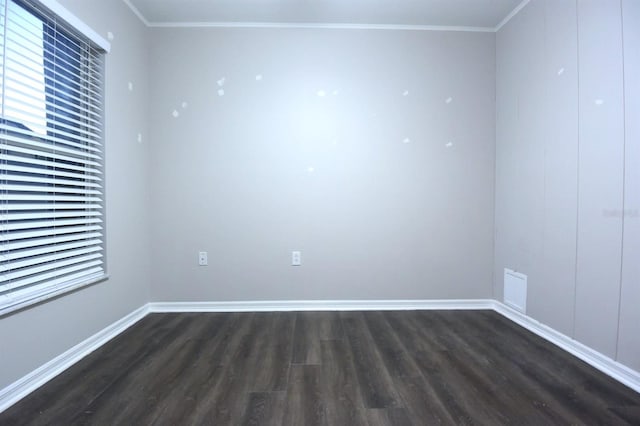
x: 202, y: 258
x: 296, y: 258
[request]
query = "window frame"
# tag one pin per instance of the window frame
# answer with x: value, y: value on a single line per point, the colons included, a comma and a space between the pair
x: 75, y: 31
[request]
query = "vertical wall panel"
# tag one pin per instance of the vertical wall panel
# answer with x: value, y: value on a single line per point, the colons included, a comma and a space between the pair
x: 600, y: 174
x: 507, y: 68
x: 520, y: 101
x: 551, y: 298
x: 629, y: 336
x: 585, y: 280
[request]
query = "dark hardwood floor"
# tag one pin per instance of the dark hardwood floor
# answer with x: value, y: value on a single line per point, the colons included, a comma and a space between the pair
x: 328, y: 368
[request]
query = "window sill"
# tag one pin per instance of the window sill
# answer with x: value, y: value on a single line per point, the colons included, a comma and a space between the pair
x: 11, y: 304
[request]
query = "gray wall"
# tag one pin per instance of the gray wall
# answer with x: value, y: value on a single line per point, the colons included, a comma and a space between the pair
x: 567, y: 160
x: 377, y: 218
x: 36, y: 335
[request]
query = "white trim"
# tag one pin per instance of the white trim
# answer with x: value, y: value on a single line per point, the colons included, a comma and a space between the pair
x: 320, y: 305
x: 328, y: 25
x: 27, y: 384
x: 38, y: 377
x: 323, y: 26
x: 8, y: 305
x: 513, y: 13
x: 137, y: 12
x: 76, y: 23
x: 610, y: 367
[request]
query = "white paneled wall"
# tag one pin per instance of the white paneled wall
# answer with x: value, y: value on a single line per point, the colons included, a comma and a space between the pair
x: 628, y: 345
x: 560, y: 168
x: 600, y: 174
x: 566, y: 160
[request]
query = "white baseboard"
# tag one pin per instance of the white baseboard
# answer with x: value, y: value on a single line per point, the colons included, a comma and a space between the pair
x: 620, y: 372
x: 610, y: 367
x: 32, y: 381
x: 320, y: 305
x: 27, y: 384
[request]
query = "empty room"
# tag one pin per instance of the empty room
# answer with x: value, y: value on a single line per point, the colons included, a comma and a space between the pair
x: 319, y: 212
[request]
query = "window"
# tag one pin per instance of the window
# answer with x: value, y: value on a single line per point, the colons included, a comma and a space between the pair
x: 51, y: 156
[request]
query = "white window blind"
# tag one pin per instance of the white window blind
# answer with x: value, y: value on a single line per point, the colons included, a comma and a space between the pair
x: 51, y: 156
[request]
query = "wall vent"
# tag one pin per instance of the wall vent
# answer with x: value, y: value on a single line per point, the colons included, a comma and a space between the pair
x: 515, y: 290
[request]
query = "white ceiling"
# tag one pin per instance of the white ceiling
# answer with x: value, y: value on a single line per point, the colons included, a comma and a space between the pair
x: 472, y: 14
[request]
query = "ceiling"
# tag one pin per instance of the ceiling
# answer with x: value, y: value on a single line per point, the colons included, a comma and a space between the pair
x: 463, y: 14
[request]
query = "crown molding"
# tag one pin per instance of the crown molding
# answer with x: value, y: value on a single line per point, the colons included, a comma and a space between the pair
x: 137, y: 13
x: 513, y: 13
x: 325, y: 26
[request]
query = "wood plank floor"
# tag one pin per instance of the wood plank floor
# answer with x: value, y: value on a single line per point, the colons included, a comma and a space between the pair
x: 328, y: 368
